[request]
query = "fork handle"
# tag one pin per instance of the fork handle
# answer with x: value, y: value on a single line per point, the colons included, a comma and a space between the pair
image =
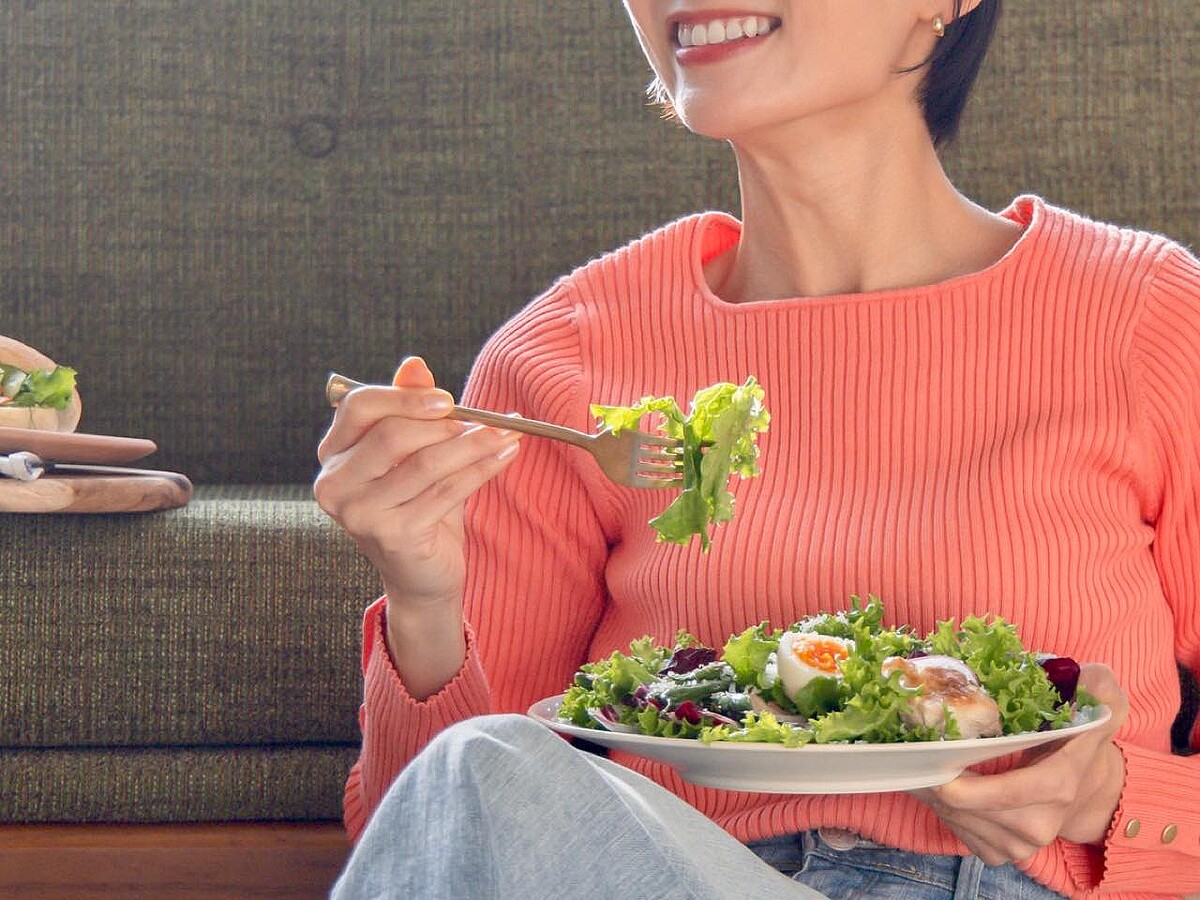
x: 338, y: 386
x: 519, y: 423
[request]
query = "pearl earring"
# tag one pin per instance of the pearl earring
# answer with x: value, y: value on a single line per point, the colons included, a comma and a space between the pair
x: 939, y: 27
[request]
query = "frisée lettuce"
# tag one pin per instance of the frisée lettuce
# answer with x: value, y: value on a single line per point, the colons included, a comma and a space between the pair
x: 759, y: 688
x: 719, y: 435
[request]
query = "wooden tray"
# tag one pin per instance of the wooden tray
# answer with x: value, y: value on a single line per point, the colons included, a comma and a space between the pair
x: 95, y: 493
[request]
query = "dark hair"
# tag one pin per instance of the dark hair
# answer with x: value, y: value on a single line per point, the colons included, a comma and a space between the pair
x: 952, y: 68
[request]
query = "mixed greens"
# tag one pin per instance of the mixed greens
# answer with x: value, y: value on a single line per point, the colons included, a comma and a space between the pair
x: 854, y: 684
x: 40, y: 388
x: 719, y: 436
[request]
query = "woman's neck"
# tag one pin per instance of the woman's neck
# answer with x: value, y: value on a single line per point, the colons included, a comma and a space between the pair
x: 871, y: 213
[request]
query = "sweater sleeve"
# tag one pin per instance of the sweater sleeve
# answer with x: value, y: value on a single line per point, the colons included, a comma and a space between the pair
x: 535, y: 558
x: 394, y: 725
x: 1155, y: 835
x: 538, y: 536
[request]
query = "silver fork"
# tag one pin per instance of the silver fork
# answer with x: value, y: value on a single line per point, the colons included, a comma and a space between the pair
x: 631, y: 458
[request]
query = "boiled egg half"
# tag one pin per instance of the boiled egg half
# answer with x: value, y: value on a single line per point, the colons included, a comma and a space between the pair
x: 803, y: 656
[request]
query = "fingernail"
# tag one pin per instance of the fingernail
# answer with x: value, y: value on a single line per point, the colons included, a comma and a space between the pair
x: 407, y: 363
x: 509, y: 451
x: 438, y: 402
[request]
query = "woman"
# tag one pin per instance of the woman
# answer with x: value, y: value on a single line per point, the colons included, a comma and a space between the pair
x: 971, y: 412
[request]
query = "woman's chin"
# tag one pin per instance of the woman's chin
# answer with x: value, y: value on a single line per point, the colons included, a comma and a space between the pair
x: 723, y: 121
x: 713, y: 129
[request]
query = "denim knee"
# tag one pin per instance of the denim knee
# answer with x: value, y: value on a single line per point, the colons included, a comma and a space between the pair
x: 498, y: 734
x: 478, y: 747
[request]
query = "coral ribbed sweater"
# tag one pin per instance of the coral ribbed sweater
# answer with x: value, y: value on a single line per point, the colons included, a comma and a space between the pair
x: 1023, y: 441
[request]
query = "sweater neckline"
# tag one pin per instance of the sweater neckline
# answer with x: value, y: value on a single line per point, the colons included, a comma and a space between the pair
x: 715, y: 232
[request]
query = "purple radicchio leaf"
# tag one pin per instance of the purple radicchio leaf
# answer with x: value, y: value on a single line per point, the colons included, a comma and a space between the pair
x: 1063, y: 673
x: 687, y: 659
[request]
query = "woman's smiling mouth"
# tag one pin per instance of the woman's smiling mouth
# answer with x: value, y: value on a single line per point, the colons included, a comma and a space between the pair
x: 707, y: 38
x: 724, y: 30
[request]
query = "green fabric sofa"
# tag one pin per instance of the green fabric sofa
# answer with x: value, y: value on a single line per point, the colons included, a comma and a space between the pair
x: 204, y: 207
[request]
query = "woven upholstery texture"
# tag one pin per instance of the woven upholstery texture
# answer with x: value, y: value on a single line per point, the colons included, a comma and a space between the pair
x: 184, y: 784
x: 226, y: 622
x: 206, y: 206
x: 194, y: 665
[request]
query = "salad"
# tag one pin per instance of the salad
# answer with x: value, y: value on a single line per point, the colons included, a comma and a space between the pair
x: 829, y: 678
x: 719, y: 435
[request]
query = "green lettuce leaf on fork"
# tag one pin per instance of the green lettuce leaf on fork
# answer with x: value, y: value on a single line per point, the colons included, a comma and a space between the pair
x: 719, y: 434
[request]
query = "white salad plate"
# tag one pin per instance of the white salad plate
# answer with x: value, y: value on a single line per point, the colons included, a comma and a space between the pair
x: 816, y: 768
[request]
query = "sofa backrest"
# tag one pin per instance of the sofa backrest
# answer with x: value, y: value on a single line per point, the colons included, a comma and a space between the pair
x: 207, y: 206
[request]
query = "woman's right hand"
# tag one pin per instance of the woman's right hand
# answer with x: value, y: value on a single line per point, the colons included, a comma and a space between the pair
x: 396, y: 474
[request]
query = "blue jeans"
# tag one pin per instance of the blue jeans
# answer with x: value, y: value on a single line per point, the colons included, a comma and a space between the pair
x: 499, y: 807
x: 840, y: 865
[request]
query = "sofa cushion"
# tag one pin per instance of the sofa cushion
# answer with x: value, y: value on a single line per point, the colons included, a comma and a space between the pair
x: 182, y: 784
x: 231, y: 621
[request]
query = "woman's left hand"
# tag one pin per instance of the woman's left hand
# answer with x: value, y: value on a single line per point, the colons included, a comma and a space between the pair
x: 1068, y: 790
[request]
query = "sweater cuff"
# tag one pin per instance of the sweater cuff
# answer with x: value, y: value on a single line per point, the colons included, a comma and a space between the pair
x: 463, y: 696
x: 1154, y: 838
x: 395, y: 725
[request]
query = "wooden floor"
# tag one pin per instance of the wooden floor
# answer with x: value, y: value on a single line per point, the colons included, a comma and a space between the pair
x: 243, y: 861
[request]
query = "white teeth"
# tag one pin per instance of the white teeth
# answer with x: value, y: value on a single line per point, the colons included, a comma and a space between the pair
x: 720, y: 31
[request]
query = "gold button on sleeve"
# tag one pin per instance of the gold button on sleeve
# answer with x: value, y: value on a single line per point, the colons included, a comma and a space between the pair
x: 1133, y: 827
x: 1169, y: 833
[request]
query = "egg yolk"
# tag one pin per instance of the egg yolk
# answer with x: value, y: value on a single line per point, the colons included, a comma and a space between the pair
x: 822, y: 654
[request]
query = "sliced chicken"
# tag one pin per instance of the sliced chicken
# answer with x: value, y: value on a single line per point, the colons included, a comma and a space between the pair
x: 947, y: 684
